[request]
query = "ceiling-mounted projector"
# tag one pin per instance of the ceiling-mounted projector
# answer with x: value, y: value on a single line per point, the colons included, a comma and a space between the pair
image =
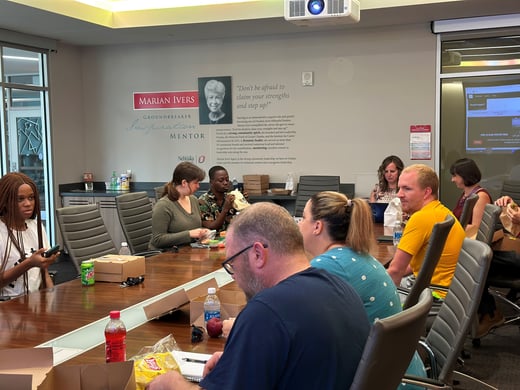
x: 321, y: 12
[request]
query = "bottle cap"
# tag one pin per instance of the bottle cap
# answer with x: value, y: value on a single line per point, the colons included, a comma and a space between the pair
x: 115, y: 314
x: 212, y: 290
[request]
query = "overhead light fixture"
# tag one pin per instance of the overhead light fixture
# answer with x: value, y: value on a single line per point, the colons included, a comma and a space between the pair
x: 477, y: 23
x: 140, y: 5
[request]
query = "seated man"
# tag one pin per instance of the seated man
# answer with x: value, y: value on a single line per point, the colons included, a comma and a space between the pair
x: 216, y: 205
x: 302, y: 328
x: 418, y: 192
x: 504, y: 263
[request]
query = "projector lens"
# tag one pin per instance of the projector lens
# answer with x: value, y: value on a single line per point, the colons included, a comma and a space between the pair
x: 315, y: 7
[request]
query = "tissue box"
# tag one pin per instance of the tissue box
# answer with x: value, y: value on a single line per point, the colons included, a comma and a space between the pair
x: 32, y: 368
x: 256, y: 184
x: 118, y: 268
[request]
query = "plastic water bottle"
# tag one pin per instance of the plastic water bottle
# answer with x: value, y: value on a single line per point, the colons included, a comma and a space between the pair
x: 115, y: 338
x: 211, y: 305
x: 113, y: 181
x: 398, y: 232
x: 124, y: 249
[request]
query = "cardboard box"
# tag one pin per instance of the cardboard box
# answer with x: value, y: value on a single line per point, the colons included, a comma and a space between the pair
x: 231, y: 303
x: 118, y: 268
x: 507, y: 243
x: 256, y: 184
x: 32, y: 368
x: 175, y: 300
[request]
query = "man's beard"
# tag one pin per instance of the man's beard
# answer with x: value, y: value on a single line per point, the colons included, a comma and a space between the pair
x: 253, y: 285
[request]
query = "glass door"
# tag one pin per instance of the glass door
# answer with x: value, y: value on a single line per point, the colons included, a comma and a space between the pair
x: 25, y: 132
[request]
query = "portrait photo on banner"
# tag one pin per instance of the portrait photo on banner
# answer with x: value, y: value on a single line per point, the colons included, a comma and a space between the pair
x: 215, y: 100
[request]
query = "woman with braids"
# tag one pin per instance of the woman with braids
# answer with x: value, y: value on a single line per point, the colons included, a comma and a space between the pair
x: 339, y: 234
x: 388, y: 175
x: 22, y: 237
x: 176, y: 216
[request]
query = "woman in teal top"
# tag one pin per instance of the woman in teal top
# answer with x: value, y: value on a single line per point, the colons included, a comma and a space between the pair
x: 339, y: 233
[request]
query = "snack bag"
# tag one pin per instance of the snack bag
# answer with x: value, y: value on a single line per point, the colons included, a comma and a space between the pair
x: 152, y: 361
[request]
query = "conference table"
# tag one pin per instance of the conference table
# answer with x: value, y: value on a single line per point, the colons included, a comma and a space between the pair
x: 71, y: 318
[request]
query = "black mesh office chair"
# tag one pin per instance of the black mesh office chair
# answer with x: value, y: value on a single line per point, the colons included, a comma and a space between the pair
x: 382, y: 365
x: 309, y: 185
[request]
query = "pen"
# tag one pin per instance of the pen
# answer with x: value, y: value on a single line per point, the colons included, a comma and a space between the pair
x: 194, y: 360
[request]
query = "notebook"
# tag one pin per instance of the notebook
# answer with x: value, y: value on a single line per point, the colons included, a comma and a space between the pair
x: 191, y: 364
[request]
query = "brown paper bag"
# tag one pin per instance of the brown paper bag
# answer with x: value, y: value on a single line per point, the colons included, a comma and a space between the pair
x: 508, y: 225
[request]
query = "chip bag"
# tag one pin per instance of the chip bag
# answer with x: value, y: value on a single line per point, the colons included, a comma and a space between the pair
x: 152, y: 361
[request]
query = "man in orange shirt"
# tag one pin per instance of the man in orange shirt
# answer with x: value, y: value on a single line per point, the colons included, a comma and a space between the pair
x: 418, y: 192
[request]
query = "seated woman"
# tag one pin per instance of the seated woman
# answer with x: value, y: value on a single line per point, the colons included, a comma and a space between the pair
x: 388, y: 174
x: 338, y: 232
x: 466, y: 176
x: 23, y: 240
x: 176, y: 216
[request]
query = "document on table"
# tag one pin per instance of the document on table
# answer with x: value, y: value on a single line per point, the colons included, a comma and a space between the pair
x: 191, y: 364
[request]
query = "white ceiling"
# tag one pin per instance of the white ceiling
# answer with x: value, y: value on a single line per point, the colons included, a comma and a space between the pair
x: 21, y: 18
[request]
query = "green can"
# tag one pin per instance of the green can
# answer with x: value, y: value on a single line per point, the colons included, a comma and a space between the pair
x: 87, y: 273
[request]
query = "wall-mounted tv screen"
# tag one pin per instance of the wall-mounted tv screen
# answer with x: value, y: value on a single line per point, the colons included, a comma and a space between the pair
x: 492, y: 117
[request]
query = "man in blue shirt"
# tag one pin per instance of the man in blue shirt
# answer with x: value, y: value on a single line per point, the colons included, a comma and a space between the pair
x: 302, y: 327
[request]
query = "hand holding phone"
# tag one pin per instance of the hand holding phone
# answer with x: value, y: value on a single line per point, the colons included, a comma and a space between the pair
x: 49, y: 252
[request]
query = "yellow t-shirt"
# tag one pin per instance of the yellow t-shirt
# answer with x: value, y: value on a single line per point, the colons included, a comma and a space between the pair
x: 416, y: 236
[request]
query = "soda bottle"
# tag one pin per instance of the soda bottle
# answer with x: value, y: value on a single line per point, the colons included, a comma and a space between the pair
x: 115, y: 338
x: 124, y: 249
x: 211, y: 305
x: 398, y: 232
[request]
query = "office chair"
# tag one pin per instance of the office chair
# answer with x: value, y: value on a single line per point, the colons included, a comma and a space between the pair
x: 512, y: 189
x: 84, y: 233
x: 158, y: 192
x: 467, y: 210
x: 445, y: 339
x: 382, y: 365
x: 488, y: 224
x: 502, y: 280
x: 135, y: 214
x: 309, y: 185
x: 431, y: 258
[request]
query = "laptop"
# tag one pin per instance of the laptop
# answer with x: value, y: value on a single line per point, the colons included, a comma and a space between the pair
x: 378, y: 211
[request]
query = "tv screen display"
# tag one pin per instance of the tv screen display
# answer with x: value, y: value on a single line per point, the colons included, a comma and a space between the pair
x: 492, y: 118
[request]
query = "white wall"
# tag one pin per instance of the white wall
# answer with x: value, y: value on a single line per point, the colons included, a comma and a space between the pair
x: 370, y: 86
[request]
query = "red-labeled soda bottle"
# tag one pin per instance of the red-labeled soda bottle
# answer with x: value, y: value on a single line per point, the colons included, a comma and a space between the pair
x: 115, y: 338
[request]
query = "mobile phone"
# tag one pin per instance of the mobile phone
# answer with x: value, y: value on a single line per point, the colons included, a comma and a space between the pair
x: 51, y: 251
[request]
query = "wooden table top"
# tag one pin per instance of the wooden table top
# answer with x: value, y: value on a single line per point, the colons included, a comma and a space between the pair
x: 32, y: 319
x: 36, y: 318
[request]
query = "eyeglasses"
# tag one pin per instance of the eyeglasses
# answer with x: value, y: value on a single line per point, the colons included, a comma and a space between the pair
x: 228, y: 263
